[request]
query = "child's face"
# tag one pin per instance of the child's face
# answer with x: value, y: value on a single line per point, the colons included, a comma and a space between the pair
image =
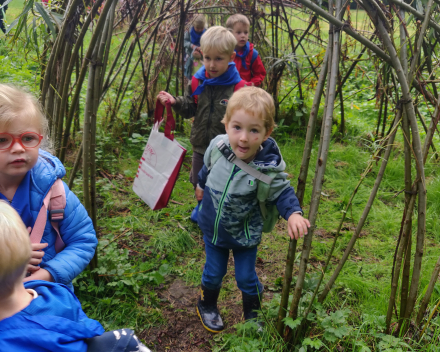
x: 246, y: 133
x: 241, y: 33
x: 199, y: 30
x: 17, y: 161
x: 216, y: 63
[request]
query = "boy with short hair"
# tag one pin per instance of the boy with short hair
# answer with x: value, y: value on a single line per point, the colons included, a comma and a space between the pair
x: 40, y: 315
x: 207, y: 94
x: 247, y: 60
x: 230, y: 216
x: 191, y: 44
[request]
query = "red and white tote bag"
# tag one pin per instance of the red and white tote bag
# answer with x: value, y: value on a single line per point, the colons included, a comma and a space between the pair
x: 160, y: 163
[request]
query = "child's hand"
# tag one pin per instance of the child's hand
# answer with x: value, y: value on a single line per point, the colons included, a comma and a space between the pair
x: 199, y: 193
x: 197, y: 54
x: 164, y: 96
x: 41, y: 274
x: 297, y: 226
x: 37, y: 254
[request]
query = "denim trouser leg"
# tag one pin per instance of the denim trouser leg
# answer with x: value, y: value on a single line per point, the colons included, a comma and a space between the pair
x: 216, y: 267
x: 245, y: 274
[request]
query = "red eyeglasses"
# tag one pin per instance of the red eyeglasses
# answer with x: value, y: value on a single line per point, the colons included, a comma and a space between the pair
x: 27, y: 140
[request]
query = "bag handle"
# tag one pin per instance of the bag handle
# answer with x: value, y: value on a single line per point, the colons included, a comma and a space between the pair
x: 170, y: 123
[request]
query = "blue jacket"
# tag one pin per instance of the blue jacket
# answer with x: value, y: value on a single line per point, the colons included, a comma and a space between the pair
x: 230, y: 215
x: 76, y: 229
x: 54, y: 321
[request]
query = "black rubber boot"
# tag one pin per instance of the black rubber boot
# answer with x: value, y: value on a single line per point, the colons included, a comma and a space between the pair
x: 208, y: 311
x: 251, y: 306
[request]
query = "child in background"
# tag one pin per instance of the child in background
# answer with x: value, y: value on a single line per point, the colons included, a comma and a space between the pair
x: 247, y: 60
x: 230, y: 215
x: 191, y: 43
x: 41, y: 315
x: 207, y: 95
x: 27, y: 173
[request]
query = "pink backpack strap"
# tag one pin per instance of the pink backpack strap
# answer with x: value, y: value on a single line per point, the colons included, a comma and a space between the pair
x: 55, y: 202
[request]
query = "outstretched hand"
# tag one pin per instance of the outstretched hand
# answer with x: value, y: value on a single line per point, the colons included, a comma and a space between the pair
x: 164, y: 96
x: 297, y: 226
x: 41, y: 274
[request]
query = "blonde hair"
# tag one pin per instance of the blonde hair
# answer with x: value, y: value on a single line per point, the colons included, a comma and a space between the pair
x: 199, y: 22
x: 17, y: 103
x: 218, y: 38
x: 15, y: 248
x: 255, y: 101
x: 237, y: 18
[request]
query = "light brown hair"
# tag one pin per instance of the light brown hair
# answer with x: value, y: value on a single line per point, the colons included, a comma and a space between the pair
x: 17, y: 103
x: 237, y: 18
x: 255, y: 101
x: 15, y: 248
x: 199, y: 22
x: 218, y: 38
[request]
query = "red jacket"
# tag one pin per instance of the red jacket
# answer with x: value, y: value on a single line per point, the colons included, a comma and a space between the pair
x: 256, y: 73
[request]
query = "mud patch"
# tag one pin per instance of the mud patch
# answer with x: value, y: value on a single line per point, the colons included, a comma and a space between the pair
x: 184, y: 331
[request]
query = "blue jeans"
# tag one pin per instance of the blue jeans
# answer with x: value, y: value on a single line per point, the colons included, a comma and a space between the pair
x: 217, y: 263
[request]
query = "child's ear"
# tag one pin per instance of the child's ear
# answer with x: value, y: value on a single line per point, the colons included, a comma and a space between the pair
x: 268, y: 133
x: 232, y: 57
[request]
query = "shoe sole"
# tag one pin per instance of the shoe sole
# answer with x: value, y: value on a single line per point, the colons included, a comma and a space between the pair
x: 213, y: 331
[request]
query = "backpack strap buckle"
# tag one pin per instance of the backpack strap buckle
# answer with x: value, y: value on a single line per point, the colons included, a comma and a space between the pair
x: 56, y: 215
x: 224, y: 149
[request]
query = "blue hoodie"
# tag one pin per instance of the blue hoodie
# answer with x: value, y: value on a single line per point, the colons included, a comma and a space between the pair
x: 54, y: 321
x: 230, y: 215
x: 76, y: 229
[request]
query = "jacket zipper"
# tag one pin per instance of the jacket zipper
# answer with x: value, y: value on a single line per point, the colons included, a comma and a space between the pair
x: 220, y: 205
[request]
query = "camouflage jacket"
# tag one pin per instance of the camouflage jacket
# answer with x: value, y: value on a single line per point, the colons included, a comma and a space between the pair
x: 230, y: 215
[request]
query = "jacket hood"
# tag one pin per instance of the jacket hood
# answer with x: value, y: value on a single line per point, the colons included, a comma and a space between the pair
x: 251, y: 46
x: 46, y: 171
x: 268, y: 157
x: 54, y: 321
x: 57, y: 300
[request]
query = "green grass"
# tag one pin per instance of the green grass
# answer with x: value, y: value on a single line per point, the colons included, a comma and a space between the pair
x: 362, y: 287
x: 143, y: 252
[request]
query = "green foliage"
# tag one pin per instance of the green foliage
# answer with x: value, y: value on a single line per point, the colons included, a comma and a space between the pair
x: 141, y: 252
x: 391, y: 344
x: 335, y: 325
x: 311, y: 344
x: 293, y: 324
x: 248, y: 337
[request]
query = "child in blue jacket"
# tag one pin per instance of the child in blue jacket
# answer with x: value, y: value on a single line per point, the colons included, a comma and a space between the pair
x: 40, y: 315
x: 191, y: 44
x: 230, y: 215
x: 27, y: 173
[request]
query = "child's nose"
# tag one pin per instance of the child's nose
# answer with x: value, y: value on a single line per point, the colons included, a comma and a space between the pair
x: 17, y: 147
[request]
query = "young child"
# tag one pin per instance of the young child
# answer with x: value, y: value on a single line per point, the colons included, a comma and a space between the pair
x: 191, y: 44
x: 41, y: 315
x: 207, y: 94
x: 27, y: 173
x: 230, y: 215
x: 247, y: 60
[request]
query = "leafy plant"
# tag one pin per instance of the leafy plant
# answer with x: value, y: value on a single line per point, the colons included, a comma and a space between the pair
x: 335, y: 325
x: 390, y: 343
